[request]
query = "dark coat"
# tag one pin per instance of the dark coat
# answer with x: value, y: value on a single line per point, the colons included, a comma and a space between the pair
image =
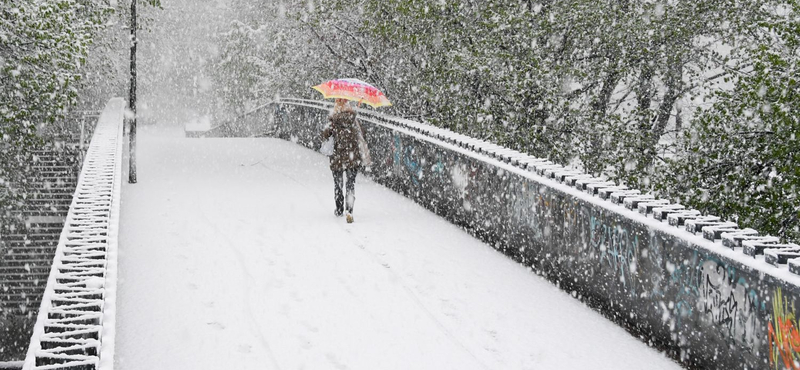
x: 344, y: 129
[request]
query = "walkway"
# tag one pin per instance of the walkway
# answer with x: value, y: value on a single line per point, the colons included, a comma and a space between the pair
x: 230, y: 257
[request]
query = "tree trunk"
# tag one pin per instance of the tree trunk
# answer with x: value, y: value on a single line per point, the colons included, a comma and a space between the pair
x: 644, y: 89
x: 600, y: 105
x: 673, y: 80
x: 674, y: 87
x: 592, y: 160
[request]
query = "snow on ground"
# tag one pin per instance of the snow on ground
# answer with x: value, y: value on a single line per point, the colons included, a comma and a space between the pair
x: 231, y: 257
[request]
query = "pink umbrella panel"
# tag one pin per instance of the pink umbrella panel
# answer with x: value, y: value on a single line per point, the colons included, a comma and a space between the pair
x: 354, y: 90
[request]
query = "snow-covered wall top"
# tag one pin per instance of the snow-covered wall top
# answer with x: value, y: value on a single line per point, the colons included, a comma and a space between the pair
x: 76, y: 321
x: 712, y: 295
x: 763, y: 252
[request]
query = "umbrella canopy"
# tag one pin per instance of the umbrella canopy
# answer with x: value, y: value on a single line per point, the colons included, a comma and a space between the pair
x: 353, y: 89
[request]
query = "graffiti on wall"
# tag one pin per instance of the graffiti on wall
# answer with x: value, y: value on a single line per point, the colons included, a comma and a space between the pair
x: 685, y: 278
x: 718, y: 296
x: 405, y: 159
x: 704, y: 299
x: 526, y: 206
x: 783, y: 334
x: 462, y: 179
x: 617, y: 248
x: 654, y: 255
x: 730, y: 304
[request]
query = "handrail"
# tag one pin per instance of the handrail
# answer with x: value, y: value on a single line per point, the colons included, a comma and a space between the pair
x: 226, y: 124
x: 710, y: 231
x: 707, y: 231
x: 702, y: 289
x: 75, y: 327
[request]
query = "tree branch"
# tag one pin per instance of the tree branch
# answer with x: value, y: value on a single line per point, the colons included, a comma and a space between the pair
x: 330, y: 48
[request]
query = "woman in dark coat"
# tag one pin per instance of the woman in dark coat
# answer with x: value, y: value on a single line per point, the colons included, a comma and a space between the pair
x: 346, y: 158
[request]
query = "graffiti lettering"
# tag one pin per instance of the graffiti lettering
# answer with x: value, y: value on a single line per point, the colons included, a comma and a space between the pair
x: 729, y: 304
x: 524, y: 208
x: 617, y: 249
x: 687, y: 278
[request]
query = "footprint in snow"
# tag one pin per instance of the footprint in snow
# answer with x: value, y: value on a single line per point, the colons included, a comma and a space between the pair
x: 245, y: 348
x: 216, y: 325
x: 335, y: 361
x: 310, y: 327
x: 296, y: 297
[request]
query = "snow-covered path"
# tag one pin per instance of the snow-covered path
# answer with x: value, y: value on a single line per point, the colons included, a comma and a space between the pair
x: 231, y: 258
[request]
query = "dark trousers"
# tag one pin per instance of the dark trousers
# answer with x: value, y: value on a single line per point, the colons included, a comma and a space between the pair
x: 351, y: 189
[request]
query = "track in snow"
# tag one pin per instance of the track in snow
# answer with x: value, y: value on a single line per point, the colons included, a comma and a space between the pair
x: 230, y: 257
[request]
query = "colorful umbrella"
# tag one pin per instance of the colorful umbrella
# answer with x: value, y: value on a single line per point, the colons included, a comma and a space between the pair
x: 353, y: 89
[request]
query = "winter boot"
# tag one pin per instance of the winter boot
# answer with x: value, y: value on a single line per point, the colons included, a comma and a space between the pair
x: 349, y: 218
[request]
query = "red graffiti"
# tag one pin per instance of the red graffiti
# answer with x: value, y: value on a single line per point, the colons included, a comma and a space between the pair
x: 784, y: 336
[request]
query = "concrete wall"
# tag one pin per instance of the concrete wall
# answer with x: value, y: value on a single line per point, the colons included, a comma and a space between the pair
x: 707, y: 305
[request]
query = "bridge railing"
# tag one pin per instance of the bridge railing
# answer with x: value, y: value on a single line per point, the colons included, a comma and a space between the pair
x: 257, y: 122
x: 711, y: 294
x: 75, y: 326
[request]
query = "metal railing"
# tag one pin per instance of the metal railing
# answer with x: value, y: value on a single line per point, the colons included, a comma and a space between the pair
x: 696, y: 285
x: 704, y: 290
x: 75, y: 326
x: 692, y: 222
x: 249, y: 124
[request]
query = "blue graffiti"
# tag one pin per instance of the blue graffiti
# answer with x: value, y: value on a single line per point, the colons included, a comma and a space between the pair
x: 404, y: 156
x: 438, y: 167
x: 411, y: 165
x: 398, y: 147
x: 686, y: 277
x: 617, y: 249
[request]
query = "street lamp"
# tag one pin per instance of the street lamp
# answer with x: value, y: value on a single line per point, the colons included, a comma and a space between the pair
x: 132, y: 100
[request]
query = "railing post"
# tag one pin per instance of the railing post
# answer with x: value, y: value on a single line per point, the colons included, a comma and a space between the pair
x: 83, y: 135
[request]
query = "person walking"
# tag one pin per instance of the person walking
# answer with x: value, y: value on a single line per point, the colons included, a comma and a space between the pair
x: 347, y: 156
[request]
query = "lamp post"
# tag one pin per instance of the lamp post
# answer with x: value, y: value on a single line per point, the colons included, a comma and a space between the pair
x: 132, y: 100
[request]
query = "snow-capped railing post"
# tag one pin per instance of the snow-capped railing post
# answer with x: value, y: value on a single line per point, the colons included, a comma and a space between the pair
x: 76, y: 320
